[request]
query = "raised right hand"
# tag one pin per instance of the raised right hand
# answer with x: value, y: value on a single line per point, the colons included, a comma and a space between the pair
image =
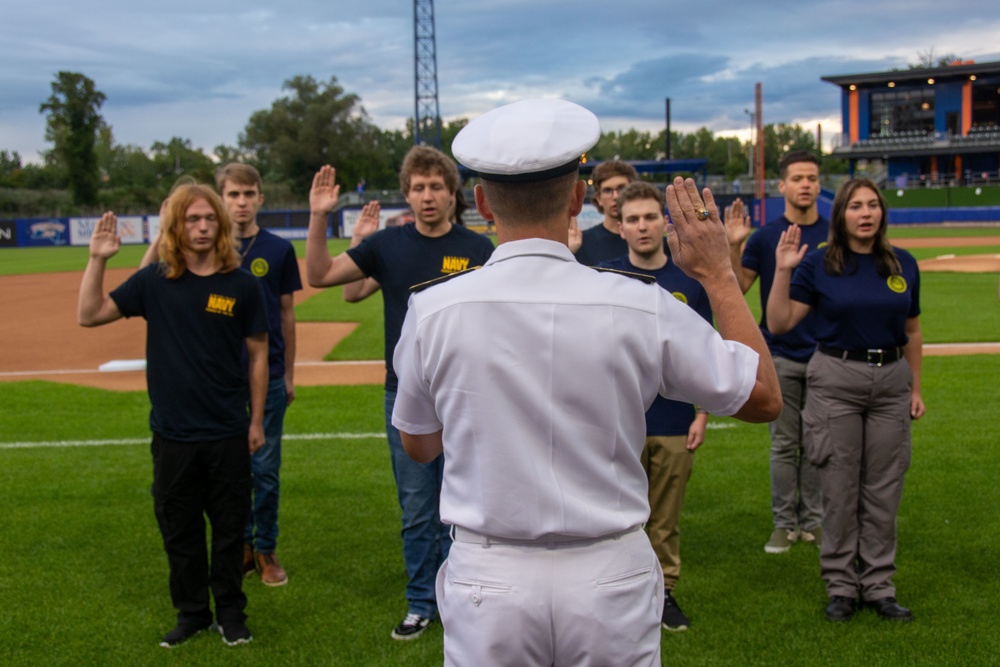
x: 367, y: 222
x: 105, y: 241
x: 324, y: 192
x: 788, y: 252
x: 575, y: 236
x: 699, y: 247
x: 737, y: 223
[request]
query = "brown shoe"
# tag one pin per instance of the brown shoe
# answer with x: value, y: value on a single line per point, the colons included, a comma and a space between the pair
x: 271, y: 572
x: 248, y: 561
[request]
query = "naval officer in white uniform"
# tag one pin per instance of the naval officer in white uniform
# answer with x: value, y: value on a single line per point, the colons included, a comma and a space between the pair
x: 533, y: 374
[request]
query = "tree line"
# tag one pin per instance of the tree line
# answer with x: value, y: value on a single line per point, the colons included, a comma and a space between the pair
x: 312, y: 124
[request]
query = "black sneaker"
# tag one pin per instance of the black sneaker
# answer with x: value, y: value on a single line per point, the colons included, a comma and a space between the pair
x: 183, y: 632
x: 234, y: 633
x: 673, y: 618
x: 412, y: 627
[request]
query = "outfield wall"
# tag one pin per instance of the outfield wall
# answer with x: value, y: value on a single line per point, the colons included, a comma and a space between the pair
x: 139, y: 229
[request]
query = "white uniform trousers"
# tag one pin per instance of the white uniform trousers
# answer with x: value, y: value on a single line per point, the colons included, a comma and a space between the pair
x: 594, y: 603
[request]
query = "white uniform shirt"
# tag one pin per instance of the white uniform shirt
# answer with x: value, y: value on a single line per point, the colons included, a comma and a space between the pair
x: 540, y: 370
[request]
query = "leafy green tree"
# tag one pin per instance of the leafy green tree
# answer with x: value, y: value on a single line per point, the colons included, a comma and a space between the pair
x: 450, y: 130
x: 629, y: 144
x: 225, y: 154
x: 10, y: 169
x: 316, y: 124
x: 782, y: 138
x: 73, y: 123
x: 177, y: 158
x: 128, y: 176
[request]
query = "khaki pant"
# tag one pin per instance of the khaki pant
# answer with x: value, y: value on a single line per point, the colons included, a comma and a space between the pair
x: 857, y: 422
x: 795, y: 487
x: 668, y: 466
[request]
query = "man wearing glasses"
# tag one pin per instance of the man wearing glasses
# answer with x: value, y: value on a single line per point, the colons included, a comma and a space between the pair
x: 603, y: 242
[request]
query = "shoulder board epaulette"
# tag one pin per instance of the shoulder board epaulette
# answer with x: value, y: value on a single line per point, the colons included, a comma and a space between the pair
x: 420, y: 287
x: 648, y: 279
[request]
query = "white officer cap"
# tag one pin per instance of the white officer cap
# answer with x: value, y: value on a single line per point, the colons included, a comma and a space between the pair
x: 531, y: 140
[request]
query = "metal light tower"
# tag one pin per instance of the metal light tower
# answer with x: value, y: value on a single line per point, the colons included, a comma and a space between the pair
x: 427, y: 120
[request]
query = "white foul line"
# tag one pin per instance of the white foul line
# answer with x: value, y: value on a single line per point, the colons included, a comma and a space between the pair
x: 143, y: 441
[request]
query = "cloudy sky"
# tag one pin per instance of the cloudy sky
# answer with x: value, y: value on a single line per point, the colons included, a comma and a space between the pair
x: 197, y: 70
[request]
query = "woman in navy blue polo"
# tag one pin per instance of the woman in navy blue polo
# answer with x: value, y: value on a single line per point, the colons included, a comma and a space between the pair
x: 863, y: 389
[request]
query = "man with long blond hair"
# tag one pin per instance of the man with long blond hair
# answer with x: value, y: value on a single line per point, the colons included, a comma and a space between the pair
x: 201, y: 311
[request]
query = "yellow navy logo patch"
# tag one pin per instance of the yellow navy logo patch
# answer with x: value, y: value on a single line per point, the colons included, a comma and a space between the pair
x: 680, y: 297
x: 822, y: 245
x: 221, y: 305
x: 259, y: 267
x: 454, y: 264
x: 897, y: 284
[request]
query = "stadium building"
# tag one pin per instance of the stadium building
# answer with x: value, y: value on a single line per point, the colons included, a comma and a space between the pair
x: 923, y: 127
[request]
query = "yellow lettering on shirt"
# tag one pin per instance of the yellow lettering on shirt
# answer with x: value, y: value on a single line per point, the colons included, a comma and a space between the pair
x: 454, y: 264
x: 221, y: 305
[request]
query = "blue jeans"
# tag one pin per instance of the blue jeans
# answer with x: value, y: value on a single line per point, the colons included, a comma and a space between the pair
x: 425, y: 539
x: 265, y: 465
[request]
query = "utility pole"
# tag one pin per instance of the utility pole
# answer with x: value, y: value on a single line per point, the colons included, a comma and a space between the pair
x: 427, y: 117
x: 759, y: 172
x: 667, y: 133
x: 750, y: 157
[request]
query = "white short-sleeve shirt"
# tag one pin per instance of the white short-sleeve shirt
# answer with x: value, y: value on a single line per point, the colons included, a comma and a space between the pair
x: 539, y: 371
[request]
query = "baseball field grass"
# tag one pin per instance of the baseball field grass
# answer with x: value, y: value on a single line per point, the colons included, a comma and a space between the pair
x: 83, y: 577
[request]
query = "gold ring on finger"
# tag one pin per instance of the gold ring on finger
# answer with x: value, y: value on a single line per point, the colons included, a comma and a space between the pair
x: 701, y: 213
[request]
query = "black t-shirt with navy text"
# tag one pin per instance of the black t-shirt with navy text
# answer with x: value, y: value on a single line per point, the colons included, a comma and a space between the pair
x: 197, y: 328
x: 401, y: 257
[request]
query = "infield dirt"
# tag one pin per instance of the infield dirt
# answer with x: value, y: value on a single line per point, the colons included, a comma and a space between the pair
x: 42, y: 340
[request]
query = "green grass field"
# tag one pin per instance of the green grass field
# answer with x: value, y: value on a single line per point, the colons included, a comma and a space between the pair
x: 84, y: 578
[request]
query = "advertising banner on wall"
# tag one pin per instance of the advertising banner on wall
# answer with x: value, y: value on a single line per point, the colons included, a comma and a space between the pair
x: 43, y: 232
x: 8, y: 234
x: 130, y: 229
x: 388, y: 217
x: 152, y: 227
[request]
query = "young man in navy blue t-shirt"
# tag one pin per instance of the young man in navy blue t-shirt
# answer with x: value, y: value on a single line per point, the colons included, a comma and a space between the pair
x: 399, y: 258
x: 796, y: 499
x: 603, y: 242
x: 674, y: 430
x: 271, y: 259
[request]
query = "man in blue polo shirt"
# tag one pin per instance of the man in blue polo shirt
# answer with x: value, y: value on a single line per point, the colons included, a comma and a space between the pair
x: 796, y: 499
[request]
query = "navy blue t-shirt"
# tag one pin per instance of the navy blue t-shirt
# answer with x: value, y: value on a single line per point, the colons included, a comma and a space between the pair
x: 271, y: 259
x: 197, y: 329
x: 401, y: 257
x: 600, y: 245
x: 758, y: 255
x: 859, y: 309
x: 664, y: 416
